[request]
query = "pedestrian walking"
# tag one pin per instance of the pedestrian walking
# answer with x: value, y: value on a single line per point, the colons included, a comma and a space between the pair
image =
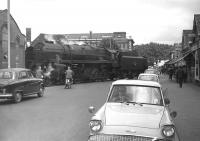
x: 170, y: 73
x: 39, y: 72
x: 180, y: 75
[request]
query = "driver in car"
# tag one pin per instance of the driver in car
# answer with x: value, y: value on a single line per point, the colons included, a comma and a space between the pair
x: 121, y: 95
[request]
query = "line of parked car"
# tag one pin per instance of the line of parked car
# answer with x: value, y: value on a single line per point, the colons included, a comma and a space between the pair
x: 135, y: 110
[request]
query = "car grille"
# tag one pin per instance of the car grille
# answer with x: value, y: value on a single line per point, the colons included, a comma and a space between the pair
x: 104, y: 137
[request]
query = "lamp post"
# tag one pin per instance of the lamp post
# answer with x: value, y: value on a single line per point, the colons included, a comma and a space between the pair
x: 8, y: 20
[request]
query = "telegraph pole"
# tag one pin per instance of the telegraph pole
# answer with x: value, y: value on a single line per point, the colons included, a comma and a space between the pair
x: 8, y: 20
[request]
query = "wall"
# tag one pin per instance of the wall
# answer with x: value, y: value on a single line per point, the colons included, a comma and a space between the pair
x: 17, y: 43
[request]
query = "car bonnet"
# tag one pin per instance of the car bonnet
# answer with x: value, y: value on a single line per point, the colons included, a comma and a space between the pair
x: 147, y: 116
x: 4, y: 82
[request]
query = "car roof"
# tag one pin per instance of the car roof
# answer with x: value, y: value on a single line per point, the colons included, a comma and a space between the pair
x: 14, y: 69
x: 153, y: 74
x: 136, y: 82
x: 150, y: 70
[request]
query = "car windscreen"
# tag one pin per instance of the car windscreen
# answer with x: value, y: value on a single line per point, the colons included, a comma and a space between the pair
x: 136, y: 94
x: 6, y: 75
x: 148, y: 77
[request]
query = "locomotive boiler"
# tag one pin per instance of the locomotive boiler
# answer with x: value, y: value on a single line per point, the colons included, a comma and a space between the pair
x: 89, y: 63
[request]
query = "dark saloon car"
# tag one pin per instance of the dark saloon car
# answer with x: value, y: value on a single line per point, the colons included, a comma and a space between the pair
x: 15, y: 83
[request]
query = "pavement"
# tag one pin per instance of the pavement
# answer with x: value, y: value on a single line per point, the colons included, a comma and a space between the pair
x: 186, y: 101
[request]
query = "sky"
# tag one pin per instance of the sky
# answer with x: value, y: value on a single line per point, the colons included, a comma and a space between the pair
x: 160, y: 21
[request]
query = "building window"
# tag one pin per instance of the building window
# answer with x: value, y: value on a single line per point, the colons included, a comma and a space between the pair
x: 122, y: 47
x: 126, y: 46
x: 4, y: 40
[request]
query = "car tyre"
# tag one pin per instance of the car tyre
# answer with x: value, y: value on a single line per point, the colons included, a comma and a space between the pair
x: 17, y: 97
x: 41, y: 91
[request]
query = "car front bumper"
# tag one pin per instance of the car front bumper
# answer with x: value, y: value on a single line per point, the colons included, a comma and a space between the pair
x: 106, y: 137
x: 7, y: 95
x: 129, y: 133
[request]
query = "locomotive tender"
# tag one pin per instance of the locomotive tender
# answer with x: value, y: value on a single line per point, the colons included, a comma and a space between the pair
x: 89, y: 63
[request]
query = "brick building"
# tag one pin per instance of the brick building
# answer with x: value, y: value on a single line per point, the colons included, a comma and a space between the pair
x: 93, y: 39
x: 17, y: 42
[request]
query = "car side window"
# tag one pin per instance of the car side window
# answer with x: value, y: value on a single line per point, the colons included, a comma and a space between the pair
x: 30, y: 75
x: 6, y: 75
x: 23, y: 75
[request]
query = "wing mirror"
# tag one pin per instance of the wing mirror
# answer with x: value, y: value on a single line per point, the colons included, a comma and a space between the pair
x: 167, y: 101
x: 91, y: 109
x: 173, y: 114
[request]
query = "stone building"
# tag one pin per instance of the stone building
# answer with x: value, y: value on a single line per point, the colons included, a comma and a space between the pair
x: 195, y: 46
x: 17, y: 42
x: 191, y: 49
x: 190, y: 52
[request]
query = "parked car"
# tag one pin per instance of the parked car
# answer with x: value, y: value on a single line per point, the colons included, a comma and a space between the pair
x: 15, y: 83
x: 149, y: 77
x: 151, y: 71
x: 135, y: 110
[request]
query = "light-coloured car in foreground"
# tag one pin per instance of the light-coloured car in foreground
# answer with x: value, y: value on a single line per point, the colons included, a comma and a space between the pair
x: 149, y: 77
x: 135, y: 110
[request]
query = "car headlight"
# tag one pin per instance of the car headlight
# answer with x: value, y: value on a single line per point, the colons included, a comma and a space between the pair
x: 168, y: 130
x: 95, y: 125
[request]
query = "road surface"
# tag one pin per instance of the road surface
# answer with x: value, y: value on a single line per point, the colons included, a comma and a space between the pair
x: 62, y: 114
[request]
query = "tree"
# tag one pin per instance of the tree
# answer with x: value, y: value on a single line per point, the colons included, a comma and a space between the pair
x: 154, y: 51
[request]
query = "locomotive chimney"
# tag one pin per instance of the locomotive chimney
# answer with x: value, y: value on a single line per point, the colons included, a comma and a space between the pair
x: 90, y: 34
x: 90, y: 37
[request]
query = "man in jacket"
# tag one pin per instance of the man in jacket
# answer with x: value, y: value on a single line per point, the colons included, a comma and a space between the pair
x: 180, y: 76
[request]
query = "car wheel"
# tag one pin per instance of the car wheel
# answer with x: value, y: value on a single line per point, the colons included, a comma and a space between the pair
x: 41, y: 91
x: 17, y: 97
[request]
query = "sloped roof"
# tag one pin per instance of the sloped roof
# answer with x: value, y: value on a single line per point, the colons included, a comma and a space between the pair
x: 70, y: 39
x: 197, y: 22
x: 5, y: 10
x: 67, y: 37
x: 186, y: 32
x: 49, y: 46
x: 39, y: 38
x: 54, y: 43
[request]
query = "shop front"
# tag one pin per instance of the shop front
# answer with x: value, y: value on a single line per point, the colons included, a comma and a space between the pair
x: 197, y: 65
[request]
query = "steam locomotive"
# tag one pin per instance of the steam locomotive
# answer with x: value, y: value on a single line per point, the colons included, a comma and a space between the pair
x: 88, y: 63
